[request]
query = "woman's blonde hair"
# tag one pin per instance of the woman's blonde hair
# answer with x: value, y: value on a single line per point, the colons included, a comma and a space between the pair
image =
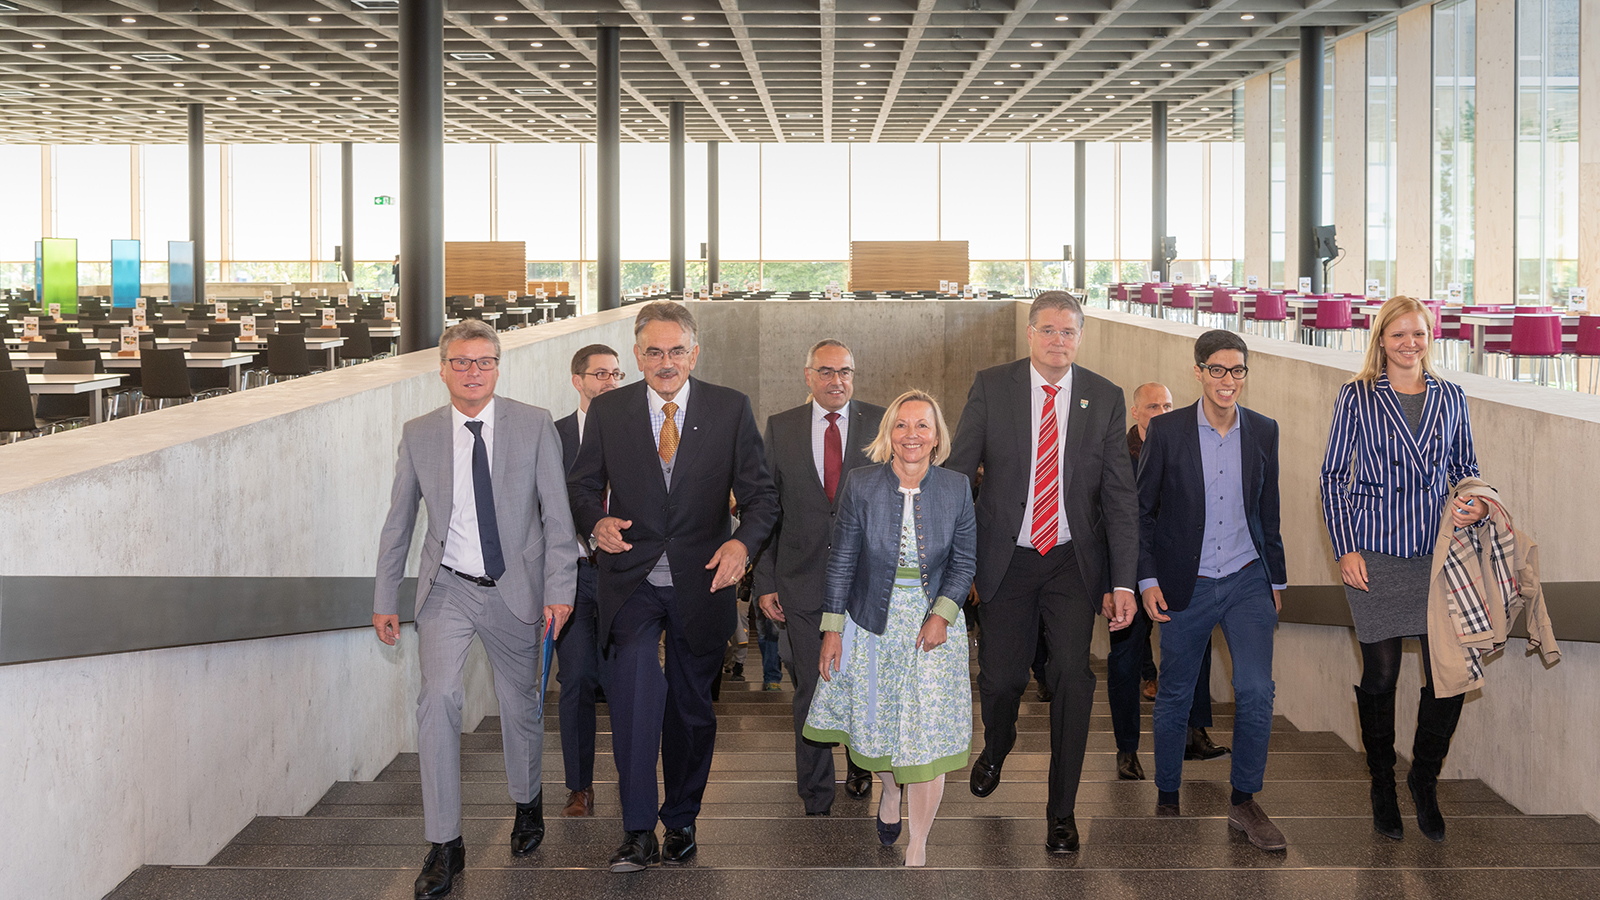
x: 880, y: 450
x: 1373, y: 364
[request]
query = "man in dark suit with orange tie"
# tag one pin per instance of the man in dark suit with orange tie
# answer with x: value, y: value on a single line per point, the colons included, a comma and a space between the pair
x: 1058, y: 540
x: 670, y: 451
x: 809, y: 450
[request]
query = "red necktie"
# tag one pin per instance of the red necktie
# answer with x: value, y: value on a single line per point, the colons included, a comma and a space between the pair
x: 832, y: 456
x: 1046, y: 478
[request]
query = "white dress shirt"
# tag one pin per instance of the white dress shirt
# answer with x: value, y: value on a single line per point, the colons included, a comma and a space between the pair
x: 463, y: 547
x: 1036, y: 397
x: 583, y: 419
x: 819, y: 431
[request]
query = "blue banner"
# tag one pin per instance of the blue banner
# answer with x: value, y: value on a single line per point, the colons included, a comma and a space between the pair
x: 125, y: 285
x: 180, y: 272
x: 38, y: 272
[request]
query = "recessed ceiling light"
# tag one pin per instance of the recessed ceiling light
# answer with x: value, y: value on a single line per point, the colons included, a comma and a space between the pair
x: 564, y: 66
x: 1036, y: 44
x: 235, y: 98
x: 483, y: 98
x: 861, y: 84
x: 961, y: 120
x: 716, y: 65
x: 1133, y: 82
x: 1088, y: 109
x: 369, y: 45
x: 1166, y: 65
x: 723, y: 83
x: 501, y: 18
x: 105, y: 99
x: 263, y: 66
x: 588, y: 84
x: 733, y: 96
x: 1061, y: 18
x: 747, y: 120
x: 42, y: 84
x: 866, y: 65
x: 874, y: 18
x: 1203, y: 44
x: 316, y: 84
x: 203, y: 46
x: 116, y: 68
x: 1069, y: 120
x: 1111, y: 96
x: 38, y: 46
x: 855, y: 109
x: 536, y: 45
x: 177, y: 84
x: 1205, y: 109
x: 314, y: 19
x: 703, y: 44
x: 1247, y: 17
x: 999, y: 82
x: 859, y: 97
x: 688, y: 18
x: 867, y: 44
x: 128, y: 20
x: 1016, y: 65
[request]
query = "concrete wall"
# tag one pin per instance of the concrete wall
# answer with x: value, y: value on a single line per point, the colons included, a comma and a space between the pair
x: 1526, y: 734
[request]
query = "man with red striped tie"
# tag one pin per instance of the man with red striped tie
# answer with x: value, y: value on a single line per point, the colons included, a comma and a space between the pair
x: 1058, y: 540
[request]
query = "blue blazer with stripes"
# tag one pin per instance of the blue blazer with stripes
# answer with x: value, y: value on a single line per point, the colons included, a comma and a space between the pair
x: 1383, y: 488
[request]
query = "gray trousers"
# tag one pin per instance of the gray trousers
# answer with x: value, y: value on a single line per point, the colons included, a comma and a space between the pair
x: 454, y: 611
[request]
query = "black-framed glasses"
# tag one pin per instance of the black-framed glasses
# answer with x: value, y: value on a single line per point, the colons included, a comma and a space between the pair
x: 677, y: 354
x: 1238, y: 372
x: 827, y: 373
x: 616, y: 375
x: 484, y: 363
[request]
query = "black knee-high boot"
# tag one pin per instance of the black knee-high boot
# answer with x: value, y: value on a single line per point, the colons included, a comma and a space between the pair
x: 1436, y: 724
x: 1377, y: 736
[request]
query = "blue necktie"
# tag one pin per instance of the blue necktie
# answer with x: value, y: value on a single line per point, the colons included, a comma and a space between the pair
x: 494, y: 565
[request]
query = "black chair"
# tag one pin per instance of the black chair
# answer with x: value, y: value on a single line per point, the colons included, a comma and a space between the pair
x: 16, y: 408
x: 220, y: 330
x: 210, y: 382
x: 164, y: 375
x: 357, y: 345
x: 287, y: 358
x: 61, y: 412
x: 82, y: 355
x: 5, y: 359
x: 296, y: 328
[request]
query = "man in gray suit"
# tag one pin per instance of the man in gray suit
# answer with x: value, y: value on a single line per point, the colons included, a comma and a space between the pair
x: 809, y: 450
x: 498, y: 561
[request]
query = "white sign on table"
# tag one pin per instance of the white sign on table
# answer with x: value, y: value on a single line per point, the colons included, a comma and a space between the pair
x: 55, y: 311
x: 539, y: 294
x: 327, y: 319
x: 511, y: 296
x: 247, y: 328
x: 1211, y: 279
x: 140, y: 303
x: 128, y: 342
x: 389, y: 310
x: 139, y: 320
x: 221, y: 310
x: 1372, y: 287
x: 944, y: 287
x: 267, y: 296
x: 1305, y: 285
x: 1155, y: 276
x: 1578, y: 299
x: 297, y: 293
x: 30, y: 328
x: 1455, y: 291
x: 477, y: 300
x: 344, y: 299
x: 1180, y: 278
x: 1251, y: 282
x: 388, y: 294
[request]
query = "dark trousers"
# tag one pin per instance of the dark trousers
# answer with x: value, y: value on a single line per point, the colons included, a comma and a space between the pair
x: 659, y: 711
x: 579, y: 673
x: 1039, y: 589
x: 1124, y: 665
x: 813, y: 762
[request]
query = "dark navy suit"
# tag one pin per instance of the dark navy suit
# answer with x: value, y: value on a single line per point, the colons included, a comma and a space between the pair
x: 578, y: 649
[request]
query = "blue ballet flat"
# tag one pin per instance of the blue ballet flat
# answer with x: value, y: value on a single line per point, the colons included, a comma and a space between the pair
x: 888, y: 834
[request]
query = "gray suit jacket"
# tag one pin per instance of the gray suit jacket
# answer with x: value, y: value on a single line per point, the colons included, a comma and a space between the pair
x: 530, y: 502
x: 796, y: 556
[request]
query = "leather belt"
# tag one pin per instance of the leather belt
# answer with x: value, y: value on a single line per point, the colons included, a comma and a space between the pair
x: 1234, y: 572
x: 475, y: 579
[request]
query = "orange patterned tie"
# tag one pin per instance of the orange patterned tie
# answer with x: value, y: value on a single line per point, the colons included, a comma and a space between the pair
x: 669, y: 433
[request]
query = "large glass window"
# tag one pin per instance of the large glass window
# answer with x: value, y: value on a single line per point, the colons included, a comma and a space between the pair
x: 1327, y: 138
x: 1382, y: 124
x: 1186, y: 190
x: 466, y: 192
x: 739, y: 205
x: 894, y: 192
x: 985, y: 199
x: 1547, y: 148
x: 19, y: 225
x: 164, y: 203
x: 271, y: 202
x: 1454, y: 115
x: 805, y: 202
x: 1278, y: 162
x: 538, y: 198
x: 93, y: 197
x: 1050, y: 205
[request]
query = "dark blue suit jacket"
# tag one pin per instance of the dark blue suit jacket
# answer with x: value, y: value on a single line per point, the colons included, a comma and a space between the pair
x: 567, y: 427
x: 1172, y: 503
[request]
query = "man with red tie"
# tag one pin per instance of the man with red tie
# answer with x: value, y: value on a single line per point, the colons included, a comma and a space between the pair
x: 810, y: 448
x: 1058, y: 540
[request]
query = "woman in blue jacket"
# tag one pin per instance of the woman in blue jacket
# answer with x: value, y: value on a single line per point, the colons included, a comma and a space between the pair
x: 896, y: 685
x: 1400, y: 441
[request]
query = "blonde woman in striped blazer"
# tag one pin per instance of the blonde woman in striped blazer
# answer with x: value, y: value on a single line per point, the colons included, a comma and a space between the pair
x: 1400, y: 439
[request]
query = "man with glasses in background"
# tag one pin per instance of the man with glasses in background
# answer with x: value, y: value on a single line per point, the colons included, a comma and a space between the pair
x: 810, y: 448
x: 595, y: 370
x: 1210, y: 553
x: 498, y: 562
x: 670, y: 451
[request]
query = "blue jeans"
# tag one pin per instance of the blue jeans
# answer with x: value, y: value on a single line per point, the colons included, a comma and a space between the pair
x: 1242, y: 604
x: 1124, y: 669
x: 771, y: 661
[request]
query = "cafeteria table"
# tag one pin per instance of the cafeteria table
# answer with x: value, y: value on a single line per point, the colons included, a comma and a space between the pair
x: 76, y: 384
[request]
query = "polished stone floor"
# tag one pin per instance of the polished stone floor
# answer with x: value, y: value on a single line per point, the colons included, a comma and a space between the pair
x: 364, y: 839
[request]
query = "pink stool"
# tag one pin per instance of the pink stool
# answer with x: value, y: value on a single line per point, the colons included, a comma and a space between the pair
x: 1147, y: 298
x: 1587, y: 347
x: 1331, y: 319
x: 1271, y: 315
x: 1535, y: 336
x: 1181, y: 307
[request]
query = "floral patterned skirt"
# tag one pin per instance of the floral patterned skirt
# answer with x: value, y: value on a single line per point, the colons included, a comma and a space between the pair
x: 897, y: 708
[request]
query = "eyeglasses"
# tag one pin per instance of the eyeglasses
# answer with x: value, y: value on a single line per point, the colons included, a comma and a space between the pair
x: 656, y: 354
x: 1238, y: 372
x: 607, y: 375
x: 484, y: 363
x: 828, y: 374
x: 1050, y: 334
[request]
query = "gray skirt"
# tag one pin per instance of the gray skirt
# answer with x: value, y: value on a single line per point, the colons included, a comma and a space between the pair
x: 1396, y: 601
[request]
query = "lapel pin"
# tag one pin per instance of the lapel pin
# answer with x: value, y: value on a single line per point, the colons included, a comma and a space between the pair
x: 1083, y: 404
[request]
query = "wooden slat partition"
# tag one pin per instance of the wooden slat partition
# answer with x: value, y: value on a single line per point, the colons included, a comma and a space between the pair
x: 906, y: 265
x: 491, y: 268
x: 552, y: 288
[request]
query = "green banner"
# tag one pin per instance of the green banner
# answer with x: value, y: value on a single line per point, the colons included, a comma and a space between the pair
x: 60, y: 274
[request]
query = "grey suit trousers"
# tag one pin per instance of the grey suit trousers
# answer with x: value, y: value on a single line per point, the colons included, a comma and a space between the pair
x: 813, y: 762
x: 455, y: 610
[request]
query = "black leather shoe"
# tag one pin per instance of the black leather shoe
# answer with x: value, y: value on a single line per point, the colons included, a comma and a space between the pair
x: 679, y: 846
x: 858, y: 783
x: 528, y: 830
x: 1044, y: 694
x: 1063, y: 836
x: 445, y: 861
x: 1167, y: 810
x: 1128, y: 768
x: 985, y: 775
x: 1201, y: 747
x: 824, y: 813
x: 637, y: 853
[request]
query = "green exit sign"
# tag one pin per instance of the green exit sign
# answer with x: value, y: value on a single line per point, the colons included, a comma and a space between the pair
x: 382, y: 201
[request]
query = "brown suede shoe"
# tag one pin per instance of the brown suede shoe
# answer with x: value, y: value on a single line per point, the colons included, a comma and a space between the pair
x: 580, y: 803
x: 1251, y: 819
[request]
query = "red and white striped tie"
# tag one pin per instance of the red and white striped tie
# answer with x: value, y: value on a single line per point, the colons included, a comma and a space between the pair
x: 1046, y: 478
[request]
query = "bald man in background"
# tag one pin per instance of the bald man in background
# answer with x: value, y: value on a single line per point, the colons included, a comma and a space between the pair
x: 1130, y: 648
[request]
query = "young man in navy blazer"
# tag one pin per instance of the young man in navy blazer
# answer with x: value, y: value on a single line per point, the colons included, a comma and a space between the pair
x: 1210, y: 553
